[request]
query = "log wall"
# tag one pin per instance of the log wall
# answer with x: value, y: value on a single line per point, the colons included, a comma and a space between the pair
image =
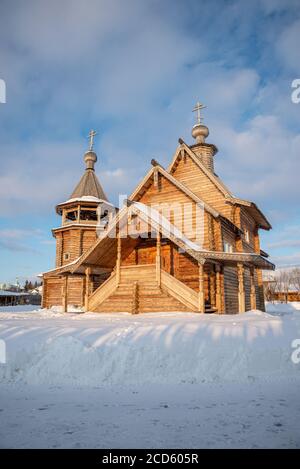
x: 192, y: 176
x: 247, y: 286
x: 183, y: 213
x: 52, y: 292
x: 73, y: 242
x: 231, y: 289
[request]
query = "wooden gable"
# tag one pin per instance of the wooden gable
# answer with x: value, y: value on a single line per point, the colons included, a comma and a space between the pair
x: 177, y: 204
x: 192, y: 175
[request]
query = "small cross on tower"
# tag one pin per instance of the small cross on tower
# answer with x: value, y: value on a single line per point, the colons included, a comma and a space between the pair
x: 91, y: 136
x: 197, y: 109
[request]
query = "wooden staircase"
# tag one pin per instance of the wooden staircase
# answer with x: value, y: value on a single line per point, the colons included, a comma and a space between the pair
x: 140, y: 291
x: 180, y: 291
x: 102, y: 293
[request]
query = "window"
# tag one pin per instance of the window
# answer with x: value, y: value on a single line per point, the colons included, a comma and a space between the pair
x: 66, y: 256
x: 72, y: 215
x: 88, y: 215
x: 247, y: 236
x: 104, y: 214
x: 228, y: 247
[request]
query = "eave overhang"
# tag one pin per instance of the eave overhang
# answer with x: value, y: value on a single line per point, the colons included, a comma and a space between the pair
x: 256, y: 213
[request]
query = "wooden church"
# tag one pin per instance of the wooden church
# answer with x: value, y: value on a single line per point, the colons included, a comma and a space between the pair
x: 181, y: 242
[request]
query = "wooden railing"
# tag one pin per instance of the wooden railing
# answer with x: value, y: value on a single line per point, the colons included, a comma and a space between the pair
x: 180, y: 291
x: 135, y: 298
x: 102, y: 292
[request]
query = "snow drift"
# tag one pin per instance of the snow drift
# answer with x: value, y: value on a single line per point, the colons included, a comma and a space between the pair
x: 47, y: 347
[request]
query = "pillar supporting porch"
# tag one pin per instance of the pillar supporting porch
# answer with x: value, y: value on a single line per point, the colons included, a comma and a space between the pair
x: 119, y: 253
x: 252, y: 291
x: 218, y: 288
x: 65, y: 294
x: 158, y: 258
x: 201, y: 298
x: 87, y: 288
x: 240, y: 268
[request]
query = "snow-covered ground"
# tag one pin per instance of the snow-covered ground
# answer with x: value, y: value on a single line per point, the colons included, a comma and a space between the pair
x: 151, y: 380
x: 18, y: 308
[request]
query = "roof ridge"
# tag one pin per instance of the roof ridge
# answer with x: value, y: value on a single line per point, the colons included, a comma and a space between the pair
x: 179, y: 184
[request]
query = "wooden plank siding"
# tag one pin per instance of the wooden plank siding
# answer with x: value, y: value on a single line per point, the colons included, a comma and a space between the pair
x: 88, y: 239
x: 59, y: 249
x: 249, y: 224
x: 247, y: 286
x: 177, y: 207
x: 228, y: 236
x: 194, y: 178
x: 260, y: 297
x: 73, y: 242
x: 231, y: 289
x: 53, y: 291
x: 75, y: 286
x: 52, y: 294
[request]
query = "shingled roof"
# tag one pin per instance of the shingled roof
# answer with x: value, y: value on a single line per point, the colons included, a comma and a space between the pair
x: 89, y: 185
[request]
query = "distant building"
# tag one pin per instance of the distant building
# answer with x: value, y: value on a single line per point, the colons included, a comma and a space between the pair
x: 10, y: 287
x: 12, y: 298
x: 275, y: 291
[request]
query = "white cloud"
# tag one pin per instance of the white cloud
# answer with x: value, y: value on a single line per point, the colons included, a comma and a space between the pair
x: 290, y: 260
x: 288, y: 47
x: 133, y: 70
x: 17, y: 233
x: 262, y: 162
x: 288, y: 243
x: 16, y: 240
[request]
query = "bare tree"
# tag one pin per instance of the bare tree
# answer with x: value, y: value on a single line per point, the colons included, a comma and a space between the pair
x: 270, y: 288
x: 296, y: 279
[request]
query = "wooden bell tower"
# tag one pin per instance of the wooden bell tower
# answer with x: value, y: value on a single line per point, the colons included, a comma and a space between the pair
x: 84, y: 215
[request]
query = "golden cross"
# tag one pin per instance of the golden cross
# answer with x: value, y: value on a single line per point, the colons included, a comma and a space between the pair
x: 197, y: 109
x: 91, y: 136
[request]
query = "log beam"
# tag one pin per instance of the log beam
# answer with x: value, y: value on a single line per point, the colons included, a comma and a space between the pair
x: 135, y: 300
x: 119, y: 254
x: 218, y: 289
x: 87, y: 287
x: 201, y: 295
x: 65, y: 294
x: 44, y: 295
x: 252, y: 292
x: 158, y: 258
x: 241, y: 293
x: 212, y: 285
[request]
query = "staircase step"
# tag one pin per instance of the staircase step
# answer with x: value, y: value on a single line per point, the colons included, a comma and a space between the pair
x: 151, y: 297
x: 210, y: 310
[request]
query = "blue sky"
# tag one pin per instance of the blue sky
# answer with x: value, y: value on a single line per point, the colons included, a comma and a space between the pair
x: 133, y: 70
